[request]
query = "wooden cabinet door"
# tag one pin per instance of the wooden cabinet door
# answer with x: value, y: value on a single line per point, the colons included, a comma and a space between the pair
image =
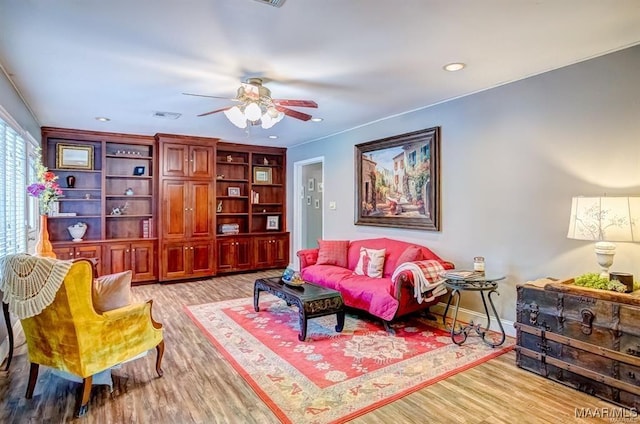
x: 201, y: 212
x: 280, y: 250
x: 142, y: 261
x: 175, y: 257
x: 202, y: 258
x: 117, y: 258
x: 226, y: 254
x: 201, y: 161
x: 90, y: 252
x: 175, y: 160
x: 243, y: 253
x: 174, y: 209
x: 262, y: 252
x: 64, y: 252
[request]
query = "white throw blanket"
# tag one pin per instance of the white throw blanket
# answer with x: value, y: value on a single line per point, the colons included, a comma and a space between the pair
x: 30, y: 283
x: 427, y: 282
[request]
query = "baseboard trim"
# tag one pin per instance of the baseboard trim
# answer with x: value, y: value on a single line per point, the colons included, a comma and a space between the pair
x: 468, y: 315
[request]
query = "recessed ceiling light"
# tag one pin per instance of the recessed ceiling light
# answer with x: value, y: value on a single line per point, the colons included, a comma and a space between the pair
x: 452, y: 67
x: 102, y: 119
x: 273, y: 136
x: 317, y: 119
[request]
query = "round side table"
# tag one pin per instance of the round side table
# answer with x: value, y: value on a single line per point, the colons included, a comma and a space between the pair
x: 478, y: 283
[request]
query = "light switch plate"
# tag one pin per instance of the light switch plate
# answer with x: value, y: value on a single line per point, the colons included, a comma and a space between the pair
x: 332, y: 205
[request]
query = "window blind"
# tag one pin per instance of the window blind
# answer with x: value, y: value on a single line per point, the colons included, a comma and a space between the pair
x: 13, y: 190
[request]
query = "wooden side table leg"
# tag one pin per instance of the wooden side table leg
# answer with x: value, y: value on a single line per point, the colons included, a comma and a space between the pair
x: 7, y: 321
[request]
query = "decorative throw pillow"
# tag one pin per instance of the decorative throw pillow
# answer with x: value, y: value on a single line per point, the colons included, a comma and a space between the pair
x: 410, y: 254
x: 371, y: 262
x: 112, y: 291
x: 333, y: 252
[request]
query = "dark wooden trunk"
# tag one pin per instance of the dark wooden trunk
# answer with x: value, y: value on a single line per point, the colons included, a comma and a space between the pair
x: 584, y: 338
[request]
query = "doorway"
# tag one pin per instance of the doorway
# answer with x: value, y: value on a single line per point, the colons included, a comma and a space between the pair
x: 308, y: 204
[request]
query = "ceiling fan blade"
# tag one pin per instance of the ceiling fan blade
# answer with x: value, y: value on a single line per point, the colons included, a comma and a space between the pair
x: 299, y: 103
x: 294, y: 113
x: 204, y: 95
x: 215, y: 111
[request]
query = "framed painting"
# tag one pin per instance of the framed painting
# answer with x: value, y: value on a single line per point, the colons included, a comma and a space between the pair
x: 398, y: 181
x: 262, y: 175
x: 74, y: 156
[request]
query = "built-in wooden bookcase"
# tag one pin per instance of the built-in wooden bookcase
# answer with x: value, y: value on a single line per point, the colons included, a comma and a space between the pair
x: 250, y: 207
x: 113, y: 193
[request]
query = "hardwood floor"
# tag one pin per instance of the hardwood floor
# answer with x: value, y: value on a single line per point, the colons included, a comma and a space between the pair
x: 199, y: 386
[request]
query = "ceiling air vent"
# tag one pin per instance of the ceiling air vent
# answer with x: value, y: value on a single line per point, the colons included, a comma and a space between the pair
x: 167, y: 115
x: 274, y: 3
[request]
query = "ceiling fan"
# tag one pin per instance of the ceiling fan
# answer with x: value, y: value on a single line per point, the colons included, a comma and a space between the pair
x: 256, y: 107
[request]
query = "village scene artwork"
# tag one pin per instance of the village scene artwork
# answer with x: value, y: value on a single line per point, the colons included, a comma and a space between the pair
x: 397, y: 181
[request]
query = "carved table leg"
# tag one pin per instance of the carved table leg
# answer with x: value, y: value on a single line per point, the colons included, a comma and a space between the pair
x: 256, y: 296
x: 303, y: 323
x: 340, y: 317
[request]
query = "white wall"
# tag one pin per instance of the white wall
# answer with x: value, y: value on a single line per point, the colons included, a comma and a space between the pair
x: 13, y: 104
x: 512, y: 157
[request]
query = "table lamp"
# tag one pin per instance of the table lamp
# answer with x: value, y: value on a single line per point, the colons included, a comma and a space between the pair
x: 605, y: 219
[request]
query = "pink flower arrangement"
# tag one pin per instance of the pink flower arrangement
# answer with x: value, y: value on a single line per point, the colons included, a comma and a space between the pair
x: 46, y: 189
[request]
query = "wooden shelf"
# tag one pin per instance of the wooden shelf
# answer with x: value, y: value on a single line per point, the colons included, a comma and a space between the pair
x: 84, y: 171
x: 130, y: 177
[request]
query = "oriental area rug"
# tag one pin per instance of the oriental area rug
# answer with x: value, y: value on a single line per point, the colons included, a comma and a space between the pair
x: 332, y: 377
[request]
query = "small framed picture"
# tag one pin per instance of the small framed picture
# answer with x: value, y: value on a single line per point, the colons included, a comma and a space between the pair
x: 309, y: 200
x: 312, y: 184
x: 262, y: 175
x: 233, y: 191
x: 138, y: 170
x: 74, y: 157
x: 273, y: 222
x: 317, y: 203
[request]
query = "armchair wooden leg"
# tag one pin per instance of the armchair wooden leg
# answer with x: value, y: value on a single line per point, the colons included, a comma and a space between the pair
x: 33, y: 377
x: 160, y: 353
x: 428, y: 315
x: 387, y: 328
x: 84, y: 400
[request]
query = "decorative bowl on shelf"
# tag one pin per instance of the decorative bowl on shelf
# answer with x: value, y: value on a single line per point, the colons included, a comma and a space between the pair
x: 77, y: 230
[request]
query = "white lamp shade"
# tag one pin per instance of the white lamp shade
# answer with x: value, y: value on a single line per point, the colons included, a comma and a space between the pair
x: 236, y: 117
x: 267, y: 121
x: 605, y: 218
x: 252, y: 112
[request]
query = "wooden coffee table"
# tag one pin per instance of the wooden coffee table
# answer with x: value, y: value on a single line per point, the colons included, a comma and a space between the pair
x: 312, y: 301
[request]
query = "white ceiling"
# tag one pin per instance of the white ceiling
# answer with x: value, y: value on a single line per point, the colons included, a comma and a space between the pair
x: 360, y: 60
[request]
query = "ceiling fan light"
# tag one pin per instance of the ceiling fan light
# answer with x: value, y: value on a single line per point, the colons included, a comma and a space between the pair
x: 272, y: 112
x: 236, y: 117
x: 267, y: 121
x: 252, y: 112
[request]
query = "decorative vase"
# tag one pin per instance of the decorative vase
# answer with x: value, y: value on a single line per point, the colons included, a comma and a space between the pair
x: 71, y: 181
x: 77, y: 231
x: 43, y: 246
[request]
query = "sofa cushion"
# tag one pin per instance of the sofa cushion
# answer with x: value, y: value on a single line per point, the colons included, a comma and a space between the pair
x: 410, y: 254
x: 333, y: 252
x: 369, y: 294
x: 111, y: 291
x: 328, y: 276
x: 394, y: 249
x: 371, y: 262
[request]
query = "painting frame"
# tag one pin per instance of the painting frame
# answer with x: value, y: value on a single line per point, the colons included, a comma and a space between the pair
x: 273, y: 222
x: 262, y: 175
x: 74, y: 156
x: 233, y: 191
x: 411, y: 197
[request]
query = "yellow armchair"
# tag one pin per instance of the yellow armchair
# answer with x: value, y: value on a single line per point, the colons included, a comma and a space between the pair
x: 69, y: 335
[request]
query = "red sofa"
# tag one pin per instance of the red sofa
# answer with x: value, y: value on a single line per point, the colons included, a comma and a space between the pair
x: 384, y: 297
